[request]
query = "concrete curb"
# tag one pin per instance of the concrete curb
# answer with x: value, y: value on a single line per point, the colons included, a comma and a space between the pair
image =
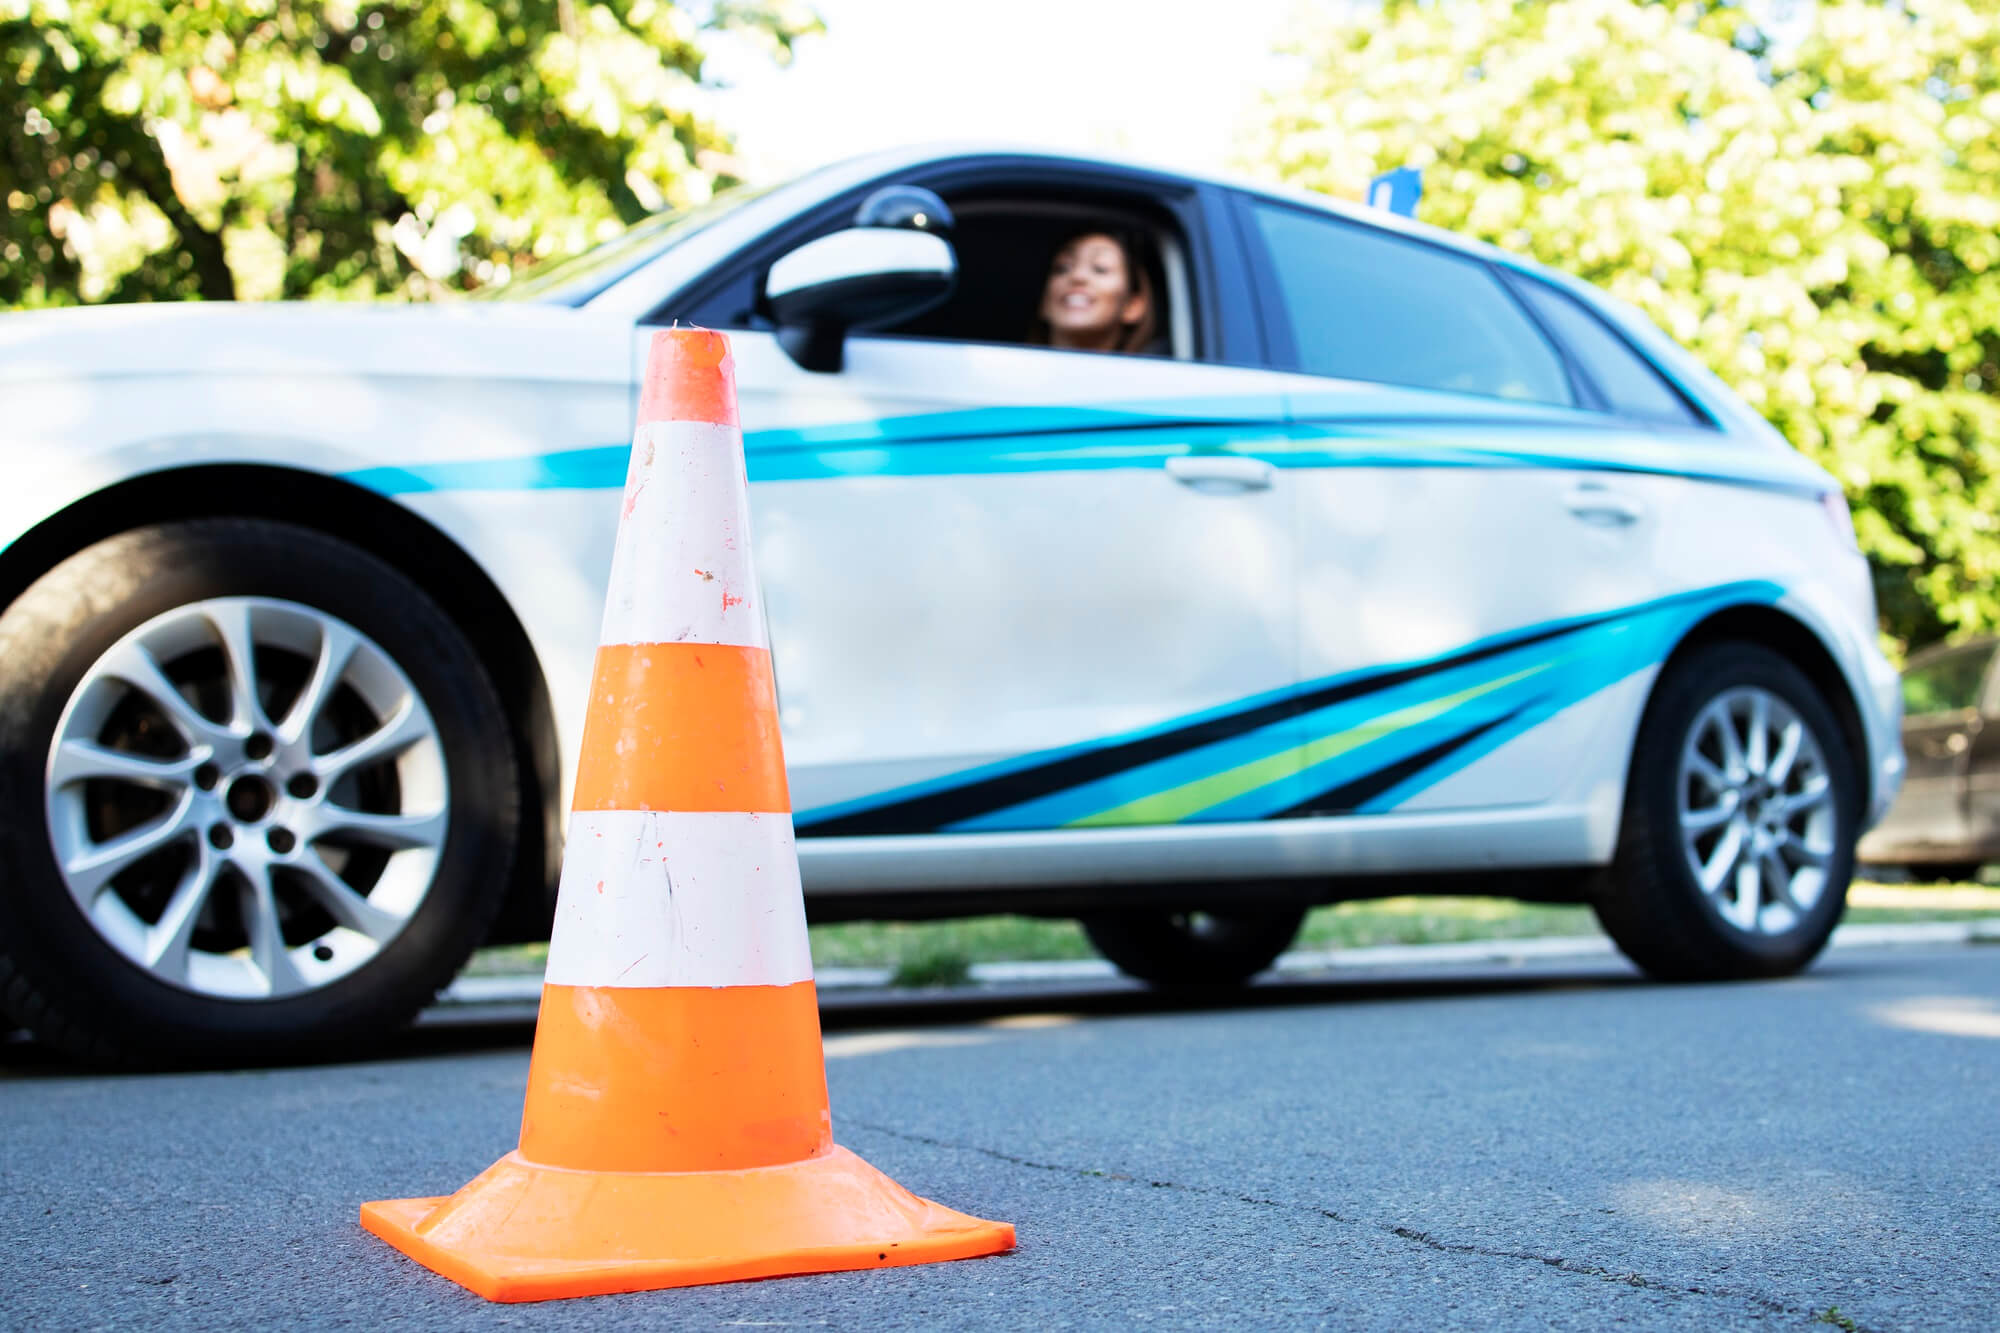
x: 472, y: 991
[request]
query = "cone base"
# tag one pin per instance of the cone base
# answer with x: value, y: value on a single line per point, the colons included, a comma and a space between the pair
x: 526, y: 1232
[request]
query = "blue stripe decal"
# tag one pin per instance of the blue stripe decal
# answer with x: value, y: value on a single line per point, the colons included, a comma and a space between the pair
x: 1506, y: 691
x: 988, y: 441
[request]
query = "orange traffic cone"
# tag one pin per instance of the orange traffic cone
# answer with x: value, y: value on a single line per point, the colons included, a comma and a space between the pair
x: 676, y: 1129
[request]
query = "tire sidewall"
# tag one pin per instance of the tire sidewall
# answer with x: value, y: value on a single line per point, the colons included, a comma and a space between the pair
x: 65, y: 623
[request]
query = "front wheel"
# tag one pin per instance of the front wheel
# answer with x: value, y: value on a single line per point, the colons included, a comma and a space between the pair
x: 257, y: 797
x: 1741, y: 813
x: 1194, y: 948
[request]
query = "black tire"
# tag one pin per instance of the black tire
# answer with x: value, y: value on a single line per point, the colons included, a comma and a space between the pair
x: 1191, y: 949
x: 1651, y: 903
x: 59, y: 976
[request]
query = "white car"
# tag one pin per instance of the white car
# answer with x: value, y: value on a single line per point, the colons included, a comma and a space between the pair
x: 1398, y: 564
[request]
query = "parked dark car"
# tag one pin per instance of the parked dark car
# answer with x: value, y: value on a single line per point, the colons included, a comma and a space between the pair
x: 1946, y: 823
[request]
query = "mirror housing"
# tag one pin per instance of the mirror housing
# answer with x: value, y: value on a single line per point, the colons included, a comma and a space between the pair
x: 854, y: 279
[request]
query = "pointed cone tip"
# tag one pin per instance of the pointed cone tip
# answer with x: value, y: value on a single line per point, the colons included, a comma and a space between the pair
x: 690, y: 376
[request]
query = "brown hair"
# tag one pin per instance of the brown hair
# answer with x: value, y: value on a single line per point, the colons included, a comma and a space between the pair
x: 1133, y: 246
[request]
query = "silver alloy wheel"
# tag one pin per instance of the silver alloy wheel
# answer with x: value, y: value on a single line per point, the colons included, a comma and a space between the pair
x: 247, y: 797
x: 1757, y: 814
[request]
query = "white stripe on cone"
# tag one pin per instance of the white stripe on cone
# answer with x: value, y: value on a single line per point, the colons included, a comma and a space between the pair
x: 681, y: 572
x: 668, y: 898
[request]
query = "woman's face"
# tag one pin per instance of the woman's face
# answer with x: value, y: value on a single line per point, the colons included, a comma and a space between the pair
x: 1089, y: 295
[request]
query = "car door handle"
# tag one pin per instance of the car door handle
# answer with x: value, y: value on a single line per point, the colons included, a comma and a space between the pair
x: 1220, y: 474
x: 1600, y: 504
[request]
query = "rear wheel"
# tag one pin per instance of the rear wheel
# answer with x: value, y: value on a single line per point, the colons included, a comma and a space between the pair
x: 1740, y: 818
x: 257, y: 797
x: 1194, y: 948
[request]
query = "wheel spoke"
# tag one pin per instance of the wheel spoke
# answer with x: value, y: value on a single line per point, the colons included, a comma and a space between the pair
x: 397, y: 832
x: 336, y: 649
x: 1777, y: 876
x: 1723, y: 858
x: 1717, y: 780
x: 80, y: 761
x: 1802, y: 854
x: 168, y: 940
x: 1758, y: 756
x: 1742, y: 910
x: 406, y: 727
x: 1701, y: 821
x: 1814, y: 794
x: 1732, y: 747
x: 231, y: 623
x: 267, y: 939
x: 1789, y: 745
x: 349, y: 908
x: 133, y: 664
x: 90, y: 870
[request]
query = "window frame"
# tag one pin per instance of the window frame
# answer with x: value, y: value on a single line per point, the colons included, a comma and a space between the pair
x: 1225, y: 332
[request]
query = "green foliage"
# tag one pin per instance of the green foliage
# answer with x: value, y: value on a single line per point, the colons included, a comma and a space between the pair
x: 173, y: 149
x: 1818, y: 219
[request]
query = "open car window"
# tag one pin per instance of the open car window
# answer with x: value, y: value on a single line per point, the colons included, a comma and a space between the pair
x: 1004, y: 248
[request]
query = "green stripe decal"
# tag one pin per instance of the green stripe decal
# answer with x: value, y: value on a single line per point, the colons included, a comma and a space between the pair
x: 1191, y: 798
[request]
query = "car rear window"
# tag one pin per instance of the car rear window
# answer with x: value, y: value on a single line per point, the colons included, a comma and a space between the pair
x: 1627, y: 380
x: 1366, y: 305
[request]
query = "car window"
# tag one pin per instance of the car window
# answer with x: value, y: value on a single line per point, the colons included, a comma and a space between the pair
x: 1003, y: 241
x: 1948, y: 683
x: 1004, y: 249
x: 1366, y: 305
x: 1628, y: 382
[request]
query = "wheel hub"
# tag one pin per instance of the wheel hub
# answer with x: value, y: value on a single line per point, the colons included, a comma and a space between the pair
x: 250, y: 798
x: 247, y: 797
x: 1757, y: 819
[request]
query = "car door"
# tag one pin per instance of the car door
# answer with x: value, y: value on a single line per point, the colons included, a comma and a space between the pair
x: 1945, y: 743
x: 1009, y: 586
x: 1982, y: 768
x: 1472, y: 605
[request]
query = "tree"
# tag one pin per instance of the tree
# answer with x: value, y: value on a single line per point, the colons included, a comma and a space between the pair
x: 1816, y: 214
x: 172, y: 149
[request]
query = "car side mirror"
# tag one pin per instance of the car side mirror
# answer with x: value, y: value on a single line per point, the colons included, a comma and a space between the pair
x: 854, y: 279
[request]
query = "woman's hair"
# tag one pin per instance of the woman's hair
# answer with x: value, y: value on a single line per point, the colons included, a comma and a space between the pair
x: 1137, y: 250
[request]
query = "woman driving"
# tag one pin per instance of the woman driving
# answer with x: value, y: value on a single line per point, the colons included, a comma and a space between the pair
x: 1099, y: 296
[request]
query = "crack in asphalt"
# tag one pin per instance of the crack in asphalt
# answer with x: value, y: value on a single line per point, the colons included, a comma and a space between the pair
x: 1410, y: 1234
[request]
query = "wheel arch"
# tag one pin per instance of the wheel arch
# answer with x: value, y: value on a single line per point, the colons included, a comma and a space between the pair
x: 391, y: 533
x: 1798, y: 643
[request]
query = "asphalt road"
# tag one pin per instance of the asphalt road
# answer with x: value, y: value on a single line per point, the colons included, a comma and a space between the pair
x: 1565, y: 1149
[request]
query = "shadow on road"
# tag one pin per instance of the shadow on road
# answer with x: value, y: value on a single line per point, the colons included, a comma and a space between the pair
x: 450, y: 1030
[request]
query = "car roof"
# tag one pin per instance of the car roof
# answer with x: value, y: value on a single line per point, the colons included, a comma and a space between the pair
x: 910, y: 157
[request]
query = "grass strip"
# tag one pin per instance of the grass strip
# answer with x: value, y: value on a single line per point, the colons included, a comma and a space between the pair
x: 937, y: 952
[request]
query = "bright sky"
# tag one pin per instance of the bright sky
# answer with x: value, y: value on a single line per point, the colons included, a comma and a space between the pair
x: 1167, y: 81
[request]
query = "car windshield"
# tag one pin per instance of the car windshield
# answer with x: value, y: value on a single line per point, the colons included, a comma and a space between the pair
x: 574, y: 280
